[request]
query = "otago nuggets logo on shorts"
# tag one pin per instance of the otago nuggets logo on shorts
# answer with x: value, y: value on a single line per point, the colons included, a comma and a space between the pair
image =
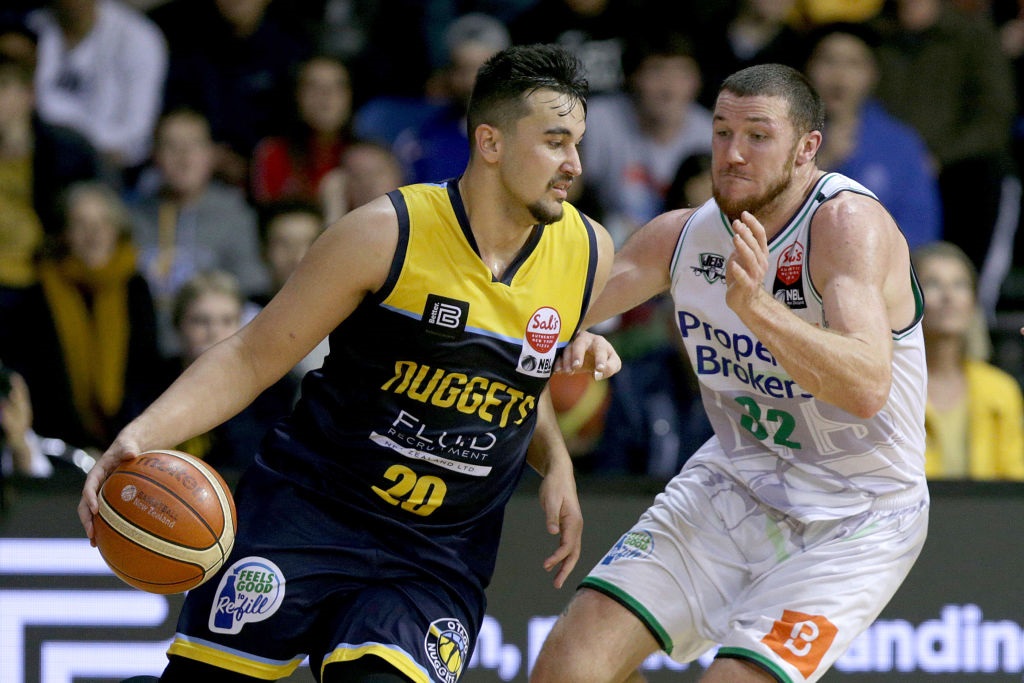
x: 447, y: 648
x: 633, y: 545
x: 250, y: 590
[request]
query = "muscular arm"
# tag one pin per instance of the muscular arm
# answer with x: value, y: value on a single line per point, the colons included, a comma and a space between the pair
x: 641, y: 268
x: 349, y: 260
x: 860, y: 265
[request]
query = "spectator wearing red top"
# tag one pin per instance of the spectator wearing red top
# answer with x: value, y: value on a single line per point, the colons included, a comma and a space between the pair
x: 291, y: 167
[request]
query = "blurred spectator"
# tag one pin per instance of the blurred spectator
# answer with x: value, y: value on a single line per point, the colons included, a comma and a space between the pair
x: 636, y: 140
x: 84, y: 340
x: 101, y: 69
x: 821, y: 12
x: 864, y: 141
x: 594, y: 30
x: 691, y: 185
x: 292, y: 166
x: 208, y: 310
x: 37, y: 162
x: 655, y: 420
x: 752, y: 32
x: 943, y: 72
x: 438, y: 148
x: 287, y: 230
x: 367, y: 171
x: 233, y: 62
x: 974, y: 420
x: 17, y: 40
x: 20, y: 451
x: 189, y: 222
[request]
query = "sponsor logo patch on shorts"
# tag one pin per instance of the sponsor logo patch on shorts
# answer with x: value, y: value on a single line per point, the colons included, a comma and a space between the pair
x: 633, y: 545
x: 801, y: 639
x: 250, y: 590
x: 447, y: 648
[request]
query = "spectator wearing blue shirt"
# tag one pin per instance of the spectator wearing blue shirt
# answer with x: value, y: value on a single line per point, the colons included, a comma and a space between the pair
x: 867, y: 143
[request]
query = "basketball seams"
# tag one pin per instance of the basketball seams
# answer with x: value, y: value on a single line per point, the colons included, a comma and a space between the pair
x: 131, y: 542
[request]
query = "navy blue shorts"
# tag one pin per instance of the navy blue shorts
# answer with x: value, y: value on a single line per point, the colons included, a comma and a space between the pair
x: 302, y: 581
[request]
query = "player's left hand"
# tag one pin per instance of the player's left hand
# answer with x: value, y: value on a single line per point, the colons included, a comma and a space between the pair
x: 589, y: 352
x: 746, y: 267
x: 563, y: 517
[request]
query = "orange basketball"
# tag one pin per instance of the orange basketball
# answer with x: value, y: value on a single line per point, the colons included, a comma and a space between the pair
x: 166, y: 521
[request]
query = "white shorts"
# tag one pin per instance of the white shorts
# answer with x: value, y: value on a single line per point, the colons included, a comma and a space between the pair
x: 709, y: 565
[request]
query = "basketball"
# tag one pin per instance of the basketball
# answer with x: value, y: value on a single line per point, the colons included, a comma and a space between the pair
x: 166, y: 521
x: 581, y: 403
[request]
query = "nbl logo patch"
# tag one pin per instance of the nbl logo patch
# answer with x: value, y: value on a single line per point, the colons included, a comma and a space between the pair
x: 540, y: 342
x: 447, y: 648
x: 788, y: 288
x: 444, y: 317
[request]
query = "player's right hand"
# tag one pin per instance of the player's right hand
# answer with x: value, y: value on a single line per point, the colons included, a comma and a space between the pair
x: 122, y: 449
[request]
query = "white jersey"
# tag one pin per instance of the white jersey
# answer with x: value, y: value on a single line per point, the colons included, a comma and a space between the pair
x: 802, y: 456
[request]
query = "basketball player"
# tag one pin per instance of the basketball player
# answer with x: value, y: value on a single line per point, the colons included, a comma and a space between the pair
x: 783, y: 537
x: 370, y: 520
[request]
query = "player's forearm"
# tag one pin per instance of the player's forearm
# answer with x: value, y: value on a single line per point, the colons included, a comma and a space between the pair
x: 547, y: 452
x: 216, y: 387
x: 840, y: 369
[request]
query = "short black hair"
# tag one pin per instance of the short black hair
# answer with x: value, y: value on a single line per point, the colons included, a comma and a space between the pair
x: 806, y: 109
x: 655, y: 44
x: 510, y: 76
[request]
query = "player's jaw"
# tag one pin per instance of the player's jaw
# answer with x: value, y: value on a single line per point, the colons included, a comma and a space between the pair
x: 738, y: 190
x: 548, y: 208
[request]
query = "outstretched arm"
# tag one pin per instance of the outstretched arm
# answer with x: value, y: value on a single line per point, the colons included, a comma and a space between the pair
x: 348, y: 261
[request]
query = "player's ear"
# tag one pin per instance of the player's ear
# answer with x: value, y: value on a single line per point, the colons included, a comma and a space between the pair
x: 809, y: 145
x: 488, y: 141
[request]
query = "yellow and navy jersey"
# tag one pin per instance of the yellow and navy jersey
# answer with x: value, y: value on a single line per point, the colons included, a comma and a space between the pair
x: 419, y: 420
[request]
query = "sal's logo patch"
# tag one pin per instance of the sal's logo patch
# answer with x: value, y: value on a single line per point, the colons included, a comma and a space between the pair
x: 633, y: 545
x: 712, y: 267
x: 789, y: 277
x: 801, y: 639
x: 250, y: 590
x: 447, y: 648
x: 540, y: 343
x: 444, y: 317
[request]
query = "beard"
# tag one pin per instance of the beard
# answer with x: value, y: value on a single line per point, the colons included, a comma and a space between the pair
x: 546, y: 214
x: 732, y: 209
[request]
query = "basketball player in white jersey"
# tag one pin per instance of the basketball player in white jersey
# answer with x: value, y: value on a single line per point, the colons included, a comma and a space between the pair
x: 785, y: 535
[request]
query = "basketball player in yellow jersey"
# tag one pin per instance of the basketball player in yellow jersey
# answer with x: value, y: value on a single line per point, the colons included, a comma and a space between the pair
x: 371, y: 515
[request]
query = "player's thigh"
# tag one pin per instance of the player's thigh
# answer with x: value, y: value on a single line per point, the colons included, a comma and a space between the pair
x: 183, y: 670
x: 363, y: 670
x: 596, y: 639
x: 735, y: 671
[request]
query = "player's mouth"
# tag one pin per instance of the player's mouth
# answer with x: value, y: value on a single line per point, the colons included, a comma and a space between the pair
x: 561, y: 188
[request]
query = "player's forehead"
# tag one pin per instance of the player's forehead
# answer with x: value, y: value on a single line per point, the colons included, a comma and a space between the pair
x: 549, y: 110
x: 765, y: 110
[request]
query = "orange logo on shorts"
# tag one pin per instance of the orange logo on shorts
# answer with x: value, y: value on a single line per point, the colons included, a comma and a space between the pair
x: 801, y: 639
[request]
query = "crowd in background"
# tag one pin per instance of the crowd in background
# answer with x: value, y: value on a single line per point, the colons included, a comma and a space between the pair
x: 165, y: 165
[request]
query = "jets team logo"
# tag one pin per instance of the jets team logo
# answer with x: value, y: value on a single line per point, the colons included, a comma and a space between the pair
x: 633, y: 545
x: 250, y: 590
x: 712, y: 267
x: 540, y: 343
x: 447, y: 648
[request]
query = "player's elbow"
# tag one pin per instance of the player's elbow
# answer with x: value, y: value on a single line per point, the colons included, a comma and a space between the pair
x: 867, y: 400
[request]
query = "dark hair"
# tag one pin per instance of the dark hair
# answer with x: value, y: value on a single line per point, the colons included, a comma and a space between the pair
x: 270, y: 212
x: 510, y: 76
x: 863, y: 32
x: 806, y: 110
x: 655, y: 44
